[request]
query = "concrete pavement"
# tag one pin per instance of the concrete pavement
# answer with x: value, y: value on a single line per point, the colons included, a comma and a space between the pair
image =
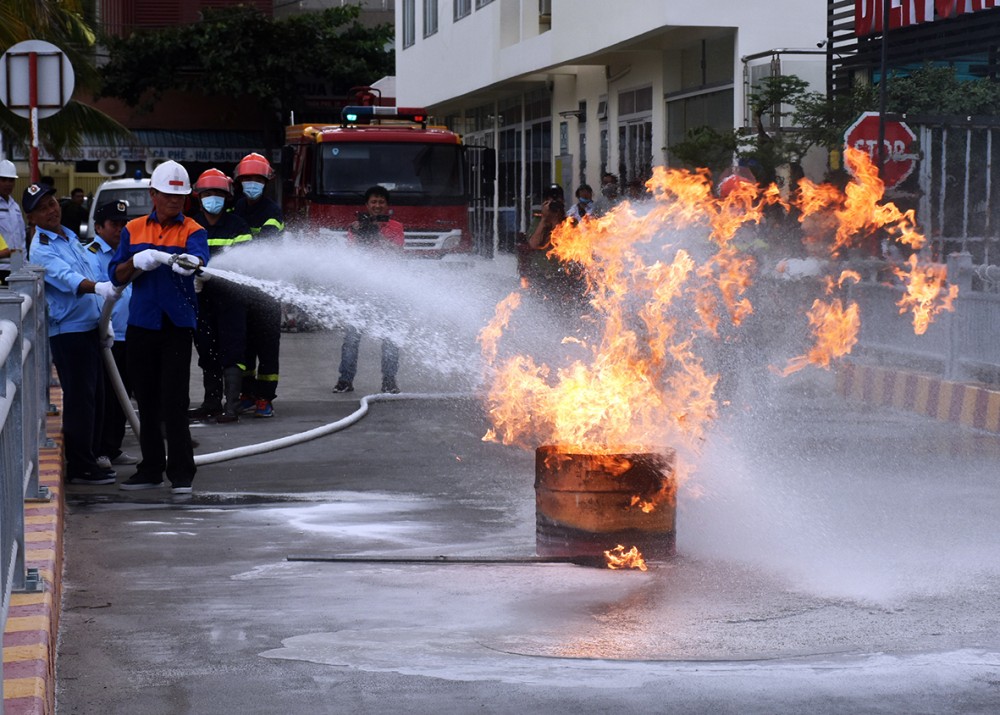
x: 832, y: 557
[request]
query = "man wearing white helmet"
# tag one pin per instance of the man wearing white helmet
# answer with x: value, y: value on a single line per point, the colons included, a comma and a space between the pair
x: 158, y: 253
x: 12, y: 227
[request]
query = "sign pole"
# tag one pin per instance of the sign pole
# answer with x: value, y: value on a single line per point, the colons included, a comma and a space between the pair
x: 33, y: 106
x: 883, y: 87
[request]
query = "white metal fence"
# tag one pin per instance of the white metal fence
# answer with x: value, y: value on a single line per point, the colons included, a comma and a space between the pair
x: 24, y: 384
x: 963, y: 344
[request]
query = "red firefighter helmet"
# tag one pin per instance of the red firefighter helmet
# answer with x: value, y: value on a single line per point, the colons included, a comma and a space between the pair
x: 213, y: 179
x: 254, y: 165
x: 734, y: 177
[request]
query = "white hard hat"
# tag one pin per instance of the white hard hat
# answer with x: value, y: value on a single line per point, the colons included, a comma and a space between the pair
x: 170, y: 178
x: 7, y: 170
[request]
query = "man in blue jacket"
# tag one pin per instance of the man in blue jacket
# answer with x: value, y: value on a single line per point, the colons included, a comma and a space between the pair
x: 159, y: 253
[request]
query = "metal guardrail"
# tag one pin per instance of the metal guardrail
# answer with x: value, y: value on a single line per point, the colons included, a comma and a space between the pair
x: 24, y: 384
x: 960, y: 345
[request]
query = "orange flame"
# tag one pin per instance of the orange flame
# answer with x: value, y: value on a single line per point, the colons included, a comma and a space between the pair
x: 664, y: 277
x: 925, y: 293
x: 490, y: 335
x: 646, y: 507
x: 836, y: 331
x: 619, y: 558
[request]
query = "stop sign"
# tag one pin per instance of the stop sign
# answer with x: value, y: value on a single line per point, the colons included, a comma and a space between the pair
x: 900, y: 160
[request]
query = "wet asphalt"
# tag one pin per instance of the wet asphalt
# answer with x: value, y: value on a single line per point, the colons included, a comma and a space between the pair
x: 831, y: 558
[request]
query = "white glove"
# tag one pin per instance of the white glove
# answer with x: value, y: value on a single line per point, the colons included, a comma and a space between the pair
x: 106, y: 290
x: 149, y: 259
x: 187, y: 258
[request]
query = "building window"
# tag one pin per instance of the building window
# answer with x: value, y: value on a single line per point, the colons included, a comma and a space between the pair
x: 635, y: 134
x: 482, y: 3
x: 691, y: 110
x: 409, y: 23
x: 430, y: 17
x: 463, y: 8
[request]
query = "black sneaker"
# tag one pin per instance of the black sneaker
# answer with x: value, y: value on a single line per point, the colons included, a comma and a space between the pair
x: 389, y: 386
x: 180, y: 488
x: 343, y: 386
x: 142, y: 481
x: 204, y: 411
x: 102, y: 476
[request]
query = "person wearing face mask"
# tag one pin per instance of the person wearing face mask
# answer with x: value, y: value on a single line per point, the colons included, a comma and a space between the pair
x: 584, y: 205
x: 260, y: 381
x: 220, y: 337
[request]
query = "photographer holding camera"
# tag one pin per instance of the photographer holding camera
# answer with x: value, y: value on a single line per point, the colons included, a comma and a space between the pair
x: 552, y: 214
x: 373, y: 229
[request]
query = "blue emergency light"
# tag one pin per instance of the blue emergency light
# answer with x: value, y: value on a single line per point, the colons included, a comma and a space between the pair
x: 364, y: 114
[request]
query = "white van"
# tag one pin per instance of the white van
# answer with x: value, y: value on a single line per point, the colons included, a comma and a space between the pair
x: 134, y: 191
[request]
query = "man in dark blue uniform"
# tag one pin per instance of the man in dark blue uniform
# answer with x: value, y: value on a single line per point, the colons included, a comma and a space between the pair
x: 266, y: 221
x: 222, y: 307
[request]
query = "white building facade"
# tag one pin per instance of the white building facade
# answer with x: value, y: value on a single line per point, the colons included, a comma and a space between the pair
x: 566, y: 90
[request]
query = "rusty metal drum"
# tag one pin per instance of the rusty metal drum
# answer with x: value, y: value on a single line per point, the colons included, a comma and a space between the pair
x: 587, y: 503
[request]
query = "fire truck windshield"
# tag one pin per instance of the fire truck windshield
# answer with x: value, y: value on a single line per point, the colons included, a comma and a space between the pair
x: 412, y: 171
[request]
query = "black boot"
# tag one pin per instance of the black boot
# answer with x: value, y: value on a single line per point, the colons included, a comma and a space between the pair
x: 232, y: 380
x: 212, y: 404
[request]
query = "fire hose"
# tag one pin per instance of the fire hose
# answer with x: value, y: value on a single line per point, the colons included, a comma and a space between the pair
x: 111, y: 368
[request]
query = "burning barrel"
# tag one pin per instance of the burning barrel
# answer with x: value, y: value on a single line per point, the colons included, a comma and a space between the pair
x: 588, y: 503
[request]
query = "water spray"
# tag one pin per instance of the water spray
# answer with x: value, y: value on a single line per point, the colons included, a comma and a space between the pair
x: 111, y: 368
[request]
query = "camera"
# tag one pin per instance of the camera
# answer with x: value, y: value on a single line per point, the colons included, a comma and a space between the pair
x: 368, y: 229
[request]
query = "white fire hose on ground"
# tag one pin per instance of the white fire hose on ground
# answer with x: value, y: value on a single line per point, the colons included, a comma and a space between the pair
x: 111, y: 368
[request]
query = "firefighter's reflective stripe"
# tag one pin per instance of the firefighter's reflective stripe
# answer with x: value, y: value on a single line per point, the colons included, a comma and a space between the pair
x: 267, y: 378
x: 270, y: 223
x: 230, y: 241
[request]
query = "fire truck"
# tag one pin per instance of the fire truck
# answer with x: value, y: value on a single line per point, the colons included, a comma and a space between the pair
x: 423, y: 168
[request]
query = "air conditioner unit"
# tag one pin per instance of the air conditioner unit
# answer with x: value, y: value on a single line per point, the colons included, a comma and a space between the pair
x: 153, y: 162
x: 111, y: 167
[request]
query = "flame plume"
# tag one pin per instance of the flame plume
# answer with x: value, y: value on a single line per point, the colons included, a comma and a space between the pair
x: 666, y: 277
x: 925, y: 293
x: 835, y: 329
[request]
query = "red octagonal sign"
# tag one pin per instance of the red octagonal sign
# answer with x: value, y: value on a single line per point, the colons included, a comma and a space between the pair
x: 900, y: 158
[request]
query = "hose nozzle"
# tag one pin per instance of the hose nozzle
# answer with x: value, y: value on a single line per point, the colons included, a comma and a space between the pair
x: 185, y: 263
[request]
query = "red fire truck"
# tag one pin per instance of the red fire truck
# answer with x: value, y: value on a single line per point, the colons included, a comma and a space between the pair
x: 423, y: 168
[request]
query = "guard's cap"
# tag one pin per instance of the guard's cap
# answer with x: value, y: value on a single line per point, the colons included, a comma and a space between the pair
x: 112, y: 211
x: 34, y: 194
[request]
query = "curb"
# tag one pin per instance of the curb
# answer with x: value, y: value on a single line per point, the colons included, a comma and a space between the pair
x: 969, y: 405
x: 29, y: 639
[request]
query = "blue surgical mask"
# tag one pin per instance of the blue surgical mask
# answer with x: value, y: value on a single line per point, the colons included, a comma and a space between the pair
x: 253, y: 189
x: 584, y: 200
x: 212, y: 204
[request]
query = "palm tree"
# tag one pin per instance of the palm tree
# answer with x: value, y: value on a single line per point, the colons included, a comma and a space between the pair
x: 62, y: 23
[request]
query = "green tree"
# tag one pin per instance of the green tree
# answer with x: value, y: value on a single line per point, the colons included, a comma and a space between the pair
x: 62, y: 23
x: 705, y: 147
x: 940, y: 91
x: 240, y: 52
